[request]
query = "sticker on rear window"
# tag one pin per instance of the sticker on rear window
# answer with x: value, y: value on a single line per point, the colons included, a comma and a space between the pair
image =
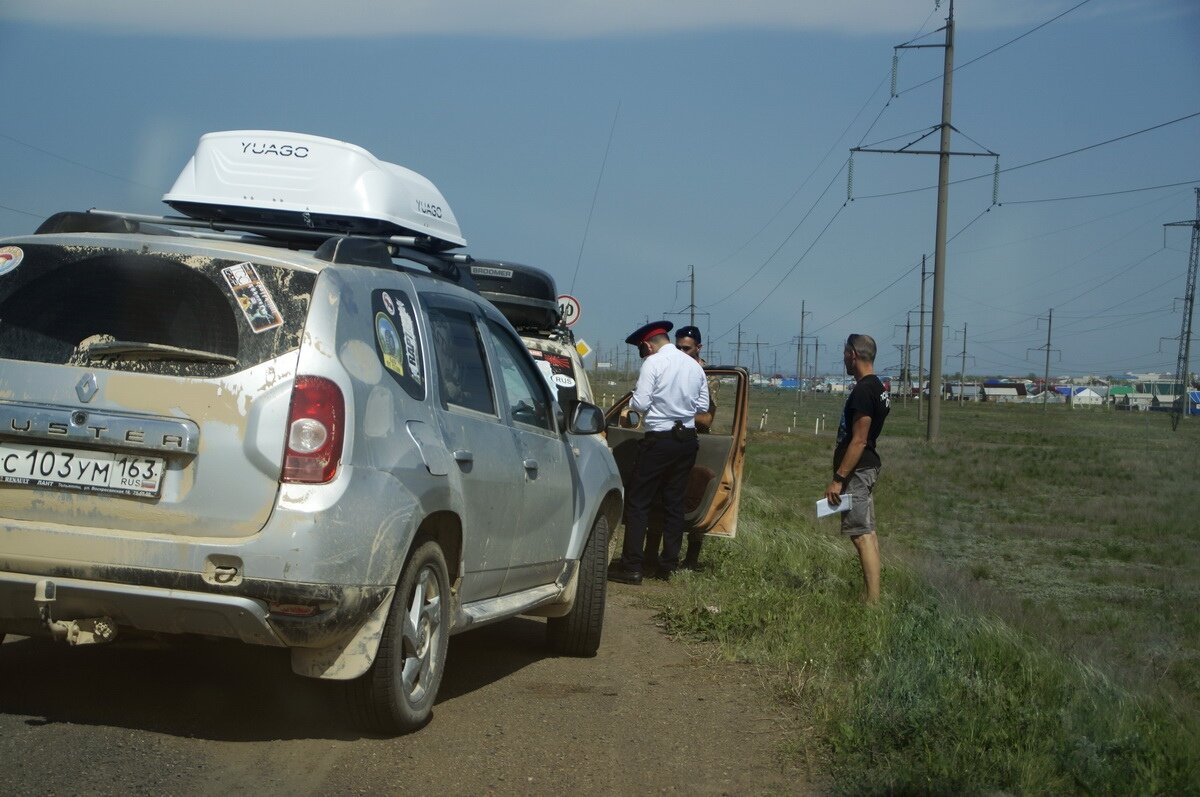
x: 559, y: 373
x: 253, y: 297
x: 398, y: 342
x: 10, y: 258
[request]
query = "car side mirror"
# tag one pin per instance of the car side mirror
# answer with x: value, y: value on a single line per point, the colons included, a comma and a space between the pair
x: 631, y: 419
x: 586, y: 419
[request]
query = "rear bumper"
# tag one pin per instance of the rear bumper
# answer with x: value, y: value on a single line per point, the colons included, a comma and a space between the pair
x: 183, y: 603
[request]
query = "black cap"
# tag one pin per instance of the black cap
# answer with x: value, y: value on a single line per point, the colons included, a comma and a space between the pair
x: 689, y: 332
x: 647, y: 331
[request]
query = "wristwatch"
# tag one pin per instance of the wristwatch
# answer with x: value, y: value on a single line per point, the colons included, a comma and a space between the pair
x: 839, y: 478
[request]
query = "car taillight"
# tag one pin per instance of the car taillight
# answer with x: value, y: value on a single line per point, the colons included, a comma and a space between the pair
x: 314, y: 431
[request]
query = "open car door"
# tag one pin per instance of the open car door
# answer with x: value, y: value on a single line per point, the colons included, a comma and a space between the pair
x: 714, y: 487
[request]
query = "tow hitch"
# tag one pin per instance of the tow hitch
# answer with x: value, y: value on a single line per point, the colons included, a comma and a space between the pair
x: 89, y: 631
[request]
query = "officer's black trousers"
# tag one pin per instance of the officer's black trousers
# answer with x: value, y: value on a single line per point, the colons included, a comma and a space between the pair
x: 664, y: 462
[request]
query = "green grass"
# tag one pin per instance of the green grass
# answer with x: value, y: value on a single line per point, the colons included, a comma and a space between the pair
x: 1038, y: 633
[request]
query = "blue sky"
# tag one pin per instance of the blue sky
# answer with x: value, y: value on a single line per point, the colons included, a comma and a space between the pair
x: 723, y: 131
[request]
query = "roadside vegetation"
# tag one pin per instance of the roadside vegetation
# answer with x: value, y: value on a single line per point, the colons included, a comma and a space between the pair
x: 1038, y: 633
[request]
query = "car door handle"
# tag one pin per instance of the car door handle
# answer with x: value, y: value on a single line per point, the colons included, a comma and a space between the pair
x: 531, y: 464
x: 463, y: 455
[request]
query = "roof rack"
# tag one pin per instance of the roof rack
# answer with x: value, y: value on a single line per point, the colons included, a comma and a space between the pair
x: 354, y: 249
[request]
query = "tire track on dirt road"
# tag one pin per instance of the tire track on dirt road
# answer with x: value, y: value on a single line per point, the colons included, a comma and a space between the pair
x: 645, y: 716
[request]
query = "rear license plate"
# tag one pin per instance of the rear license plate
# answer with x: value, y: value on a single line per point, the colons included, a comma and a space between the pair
x: 81, y: 469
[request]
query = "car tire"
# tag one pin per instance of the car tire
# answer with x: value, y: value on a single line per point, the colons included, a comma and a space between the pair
x: 396, y: 695
x: 578, y: 632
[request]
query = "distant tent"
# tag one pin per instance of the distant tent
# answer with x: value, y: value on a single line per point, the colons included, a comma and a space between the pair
x: 1193, y: 407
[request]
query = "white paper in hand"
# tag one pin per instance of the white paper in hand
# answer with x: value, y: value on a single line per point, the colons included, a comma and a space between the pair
x: 824, y: 509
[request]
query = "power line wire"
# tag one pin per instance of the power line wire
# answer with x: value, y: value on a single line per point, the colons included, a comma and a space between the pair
x: 74, y: 162
x: 1102, y: 283
x: 596, y: 193
x: 1068, y: 228
x: 782, y: 243
x: 902, y: 276
x: 787, y: 274
x: 1039, y: 161
x: 22, y: 212
x: 1092, y: 196
x: 824, y: 157
x: 965, y: 64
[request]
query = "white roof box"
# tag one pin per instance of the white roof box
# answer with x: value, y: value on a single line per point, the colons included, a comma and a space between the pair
x: 308, y: 182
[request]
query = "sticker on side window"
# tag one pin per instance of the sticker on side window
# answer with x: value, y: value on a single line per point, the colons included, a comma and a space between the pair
x: 397, y: 340
x: 253, y: 297
x: 10, y: 258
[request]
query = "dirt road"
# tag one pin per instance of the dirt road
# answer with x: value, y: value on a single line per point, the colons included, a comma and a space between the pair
x: 645, y: 716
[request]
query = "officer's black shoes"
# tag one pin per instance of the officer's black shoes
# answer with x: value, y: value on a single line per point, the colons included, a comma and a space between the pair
x: 623, y: 575
x: 663, y: 575
x: 690, y: 564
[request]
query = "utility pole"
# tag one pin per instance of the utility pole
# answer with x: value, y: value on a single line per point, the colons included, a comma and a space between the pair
x: 943, y: 202
x: 690, y: 310
x: 1046, y: 377
x: 737, y: 356
x: 800, y: 357
x: 962, y: 374
x: 1182, y: 370
x: 757, y: 344
x: 692, y: 302
x: 906, y: 368
x: 816, y: 346
x: 906, y: 356
x: 921, y: 347
x: 939, y: 253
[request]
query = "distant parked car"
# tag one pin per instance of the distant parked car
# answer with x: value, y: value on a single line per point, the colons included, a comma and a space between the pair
x: 528, y: 298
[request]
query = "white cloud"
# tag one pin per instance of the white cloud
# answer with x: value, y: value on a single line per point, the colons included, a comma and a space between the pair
x: 274, y: 19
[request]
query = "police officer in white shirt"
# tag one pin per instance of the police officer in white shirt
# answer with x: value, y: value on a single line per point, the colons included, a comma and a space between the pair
x: 671, y: 389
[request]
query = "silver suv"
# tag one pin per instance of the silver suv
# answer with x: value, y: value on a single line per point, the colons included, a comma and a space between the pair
x: 288, y: 432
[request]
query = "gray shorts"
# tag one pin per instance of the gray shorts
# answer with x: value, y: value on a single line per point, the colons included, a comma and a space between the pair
x: 860, y: 519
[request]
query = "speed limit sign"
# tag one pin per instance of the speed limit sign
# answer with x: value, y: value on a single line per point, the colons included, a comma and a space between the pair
x: 569, y: 309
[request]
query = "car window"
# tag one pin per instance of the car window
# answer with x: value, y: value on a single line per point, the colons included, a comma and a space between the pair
x: 461, y: 363
x: 558, y: 370
x: 163, y: 313
x: 524, y: 387
x: 721, y: 393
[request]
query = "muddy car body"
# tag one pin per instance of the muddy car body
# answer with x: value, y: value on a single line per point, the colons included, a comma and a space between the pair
x: 325, y: 442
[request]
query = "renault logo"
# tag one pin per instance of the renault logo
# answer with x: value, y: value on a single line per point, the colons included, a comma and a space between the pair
x: 86, y: 388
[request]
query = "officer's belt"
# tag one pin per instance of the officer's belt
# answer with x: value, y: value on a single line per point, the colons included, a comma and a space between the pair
x: 683, y: 433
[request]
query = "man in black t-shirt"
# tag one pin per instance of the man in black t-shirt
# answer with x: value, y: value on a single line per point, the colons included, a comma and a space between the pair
x: 856, y: 463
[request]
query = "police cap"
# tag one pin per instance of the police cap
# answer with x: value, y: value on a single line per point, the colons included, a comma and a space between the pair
x: 689, y: 332
x: 647, y: 331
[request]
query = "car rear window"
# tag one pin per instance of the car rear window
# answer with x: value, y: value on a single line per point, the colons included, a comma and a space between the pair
x: 559, y: 371
x: 163, y: 313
